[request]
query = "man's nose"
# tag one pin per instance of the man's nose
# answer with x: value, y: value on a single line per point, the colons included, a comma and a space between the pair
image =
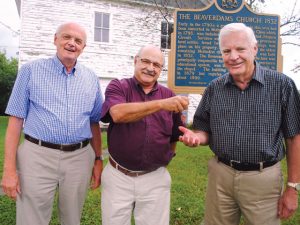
x: 234, y: 55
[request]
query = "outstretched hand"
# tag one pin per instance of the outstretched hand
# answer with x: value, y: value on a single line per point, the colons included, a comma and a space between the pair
x: 189, y: 138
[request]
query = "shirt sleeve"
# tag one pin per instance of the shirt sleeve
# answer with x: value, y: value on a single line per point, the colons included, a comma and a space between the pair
x: 177, y: 121
x: 291, y: 106
x: 113, y: 95
x: 201, y: 119
x: 96, y: 112
x: 18, y: 103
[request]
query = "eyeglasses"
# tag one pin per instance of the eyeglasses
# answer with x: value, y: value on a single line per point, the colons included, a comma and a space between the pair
x: 147, y: 62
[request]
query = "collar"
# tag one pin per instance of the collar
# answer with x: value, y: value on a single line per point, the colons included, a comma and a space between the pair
x: 137, y: 84
x: 61, y: 68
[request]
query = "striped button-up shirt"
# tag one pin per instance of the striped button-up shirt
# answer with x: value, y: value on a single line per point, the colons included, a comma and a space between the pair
x: 250, y: 125
x: 57, y: 107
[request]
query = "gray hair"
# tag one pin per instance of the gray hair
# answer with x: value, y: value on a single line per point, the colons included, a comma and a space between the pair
x: 151, y: 47
x: 238, y: 27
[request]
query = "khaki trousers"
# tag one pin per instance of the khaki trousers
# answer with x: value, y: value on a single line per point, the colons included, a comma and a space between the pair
x: 232, y: 193
x: 42, y: 171
x: 146, y: 196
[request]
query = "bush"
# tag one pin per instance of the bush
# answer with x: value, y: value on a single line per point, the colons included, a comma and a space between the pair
x: 8, y: 74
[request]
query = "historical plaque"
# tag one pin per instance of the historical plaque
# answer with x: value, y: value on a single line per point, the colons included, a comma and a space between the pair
x: 195, y: 59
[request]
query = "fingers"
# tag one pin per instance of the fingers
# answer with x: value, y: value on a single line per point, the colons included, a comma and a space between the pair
x: 11, y: 192
x: 11, y: 186
x: 95, y: 183
x: 183, y: 129
x: 287, y: 204
x: 189, y: 138
x: 176, y: 103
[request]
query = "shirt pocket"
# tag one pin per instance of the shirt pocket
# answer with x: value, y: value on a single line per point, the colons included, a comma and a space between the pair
x: 264, y: 119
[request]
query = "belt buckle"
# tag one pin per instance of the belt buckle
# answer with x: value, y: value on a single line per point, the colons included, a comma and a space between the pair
x: 233, y: 161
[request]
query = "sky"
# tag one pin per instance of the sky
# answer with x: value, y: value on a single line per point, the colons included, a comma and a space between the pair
x: 9, y: 18
x: 9, y: 40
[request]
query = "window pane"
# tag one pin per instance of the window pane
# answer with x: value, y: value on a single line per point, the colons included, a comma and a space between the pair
x: 169, y: 42
x: 98, y: 19
x: 163, y: 42
x: 97, y: 35
x: 164, y: 28
x: 105, y: 35
x: 105, y: 20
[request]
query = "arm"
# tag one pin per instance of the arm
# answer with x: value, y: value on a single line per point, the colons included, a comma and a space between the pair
x: 96, y: 143
x: 288, y: 202
x: 10, y: 180
x: 193, y: 138
x: 130, y: 112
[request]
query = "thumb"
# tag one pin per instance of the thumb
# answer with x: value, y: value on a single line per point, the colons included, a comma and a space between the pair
x: 183, y: 129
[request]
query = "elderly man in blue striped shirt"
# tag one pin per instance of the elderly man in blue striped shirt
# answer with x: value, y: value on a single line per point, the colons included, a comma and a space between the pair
x: 57, y: 102
x: 246, y: 116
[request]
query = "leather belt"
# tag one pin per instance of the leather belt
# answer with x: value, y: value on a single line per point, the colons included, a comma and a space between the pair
x: 67, y: 148
x: 247, y: 166
x: 126, y: 171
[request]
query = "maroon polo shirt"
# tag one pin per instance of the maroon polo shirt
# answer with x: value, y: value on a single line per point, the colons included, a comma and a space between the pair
x: 144, y: 144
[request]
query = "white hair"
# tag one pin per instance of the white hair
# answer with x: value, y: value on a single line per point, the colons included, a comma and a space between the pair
x: 238, y: 27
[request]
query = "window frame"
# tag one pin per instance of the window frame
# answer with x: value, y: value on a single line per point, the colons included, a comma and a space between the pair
x: 101, y: 27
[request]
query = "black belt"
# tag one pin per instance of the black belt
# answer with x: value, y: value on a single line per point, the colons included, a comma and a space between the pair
x: 67, y: 148
x: 241, y: 166
x: 126, y: 171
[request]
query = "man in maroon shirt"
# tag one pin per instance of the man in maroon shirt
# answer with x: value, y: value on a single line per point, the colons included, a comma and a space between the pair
x: 144, y: 117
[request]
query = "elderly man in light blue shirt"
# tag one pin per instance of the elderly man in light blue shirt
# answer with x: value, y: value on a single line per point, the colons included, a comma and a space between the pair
x: 58, y: 102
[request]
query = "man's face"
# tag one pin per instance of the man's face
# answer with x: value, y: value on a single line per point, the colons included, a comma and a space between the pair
x: 238, y: 54
x: 148, y: 66
x: 70, y: 42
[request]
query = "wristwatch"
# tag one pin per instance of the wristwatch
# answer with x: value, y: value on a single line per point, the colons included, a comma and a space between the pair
x: 296, y: 186
x: 99, y: 158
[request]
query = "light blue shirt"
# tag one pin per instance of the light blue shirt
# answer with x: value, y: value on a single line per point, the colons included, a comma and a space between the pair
x: 57, y: 107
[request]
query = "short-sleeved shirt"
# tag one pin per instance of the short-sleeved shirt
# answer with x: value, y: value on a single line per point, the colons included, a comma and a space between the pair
x: 250, y: 125
x: 57, y: 107
x: 146, y: 143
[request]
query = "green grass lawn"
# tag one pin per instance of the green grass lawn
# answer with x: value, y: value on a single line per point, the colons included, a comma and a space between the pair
x: 189, y: 177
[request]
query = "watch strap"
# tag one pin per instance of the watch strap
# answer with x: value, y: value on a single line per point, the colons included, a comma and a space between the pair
x: 99, y: 158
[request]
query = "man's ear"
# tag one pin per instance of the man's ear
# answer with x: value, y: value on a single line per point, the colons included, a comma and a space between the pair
x: 255, y: 48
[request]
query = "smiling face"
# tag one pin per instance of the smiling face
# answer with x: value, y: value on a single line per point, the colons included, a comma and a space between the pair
x: 148, y: 65
x: 70, y: 40
x: 238, y: 53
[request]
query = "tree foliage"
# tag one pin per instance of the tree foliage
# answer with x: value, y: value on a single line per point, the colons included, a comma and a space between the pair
x: 8, y: 73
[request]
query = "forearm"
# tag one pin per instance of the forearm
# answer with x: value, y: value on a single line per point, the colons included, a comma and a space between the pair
x: 130, y: 112
x: 96, y: 140
x: 12, y: 140
x: 293, y: 159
